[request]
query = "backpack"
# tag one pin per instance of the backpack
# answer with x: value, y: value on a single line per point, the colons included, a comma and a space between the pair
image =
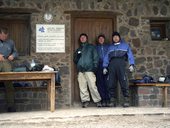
x: 145, y: 79
x: 148, y: 79
x: 167, y: 79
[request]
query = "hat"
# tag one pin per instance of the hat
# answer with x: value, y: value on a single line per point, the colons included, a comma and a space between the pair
x: 116, y: 34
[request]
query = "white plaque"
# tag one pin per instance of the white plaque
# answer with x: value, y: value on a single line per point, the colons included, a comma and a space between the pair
x: 50, y: 38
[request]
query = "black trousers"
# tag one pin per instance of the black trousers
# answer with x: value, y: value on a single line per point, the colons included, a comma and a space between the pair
x: 101, y: 82
x: 117, y: 73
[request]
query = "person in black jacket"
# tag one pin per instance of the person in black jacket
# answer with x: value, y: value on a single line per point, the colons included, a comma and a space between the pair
x: 86, y: 59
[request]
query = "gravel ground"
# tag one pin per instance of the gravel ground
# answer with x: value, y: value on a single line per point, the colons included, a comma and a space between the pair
x: 89, y: 118
x: 101, y: 121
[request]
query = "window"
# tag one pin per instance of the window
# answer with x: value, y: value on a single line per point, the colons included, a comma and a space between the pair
x: 160, y: 29
x: 19, y: 32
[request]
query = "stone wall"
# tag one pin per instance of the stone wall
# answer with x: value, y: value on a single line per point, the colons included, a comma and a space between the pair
x: 152, y: 57
x: 146, y: 96
x: 31, y: 99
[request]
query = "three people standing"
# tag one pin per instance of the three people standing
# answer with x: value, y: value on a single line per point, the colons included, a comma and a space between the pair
x: 107, y: 60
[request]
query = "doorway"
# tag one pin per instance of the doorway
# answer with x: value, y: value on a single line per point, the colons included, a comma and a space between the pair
x: 93, y: 24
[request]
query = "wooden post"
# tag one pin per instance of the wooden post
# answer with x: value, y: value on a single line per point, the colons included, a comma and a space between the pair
x: 165, y: 89
x: 52, y: 92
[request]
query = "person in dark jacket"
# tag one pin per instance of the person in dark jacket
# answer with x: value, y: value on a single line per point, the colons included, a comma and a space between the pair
x: 101, y: 79
x: 86, y: 59
x: 115, y: 62
x: 8, y: 53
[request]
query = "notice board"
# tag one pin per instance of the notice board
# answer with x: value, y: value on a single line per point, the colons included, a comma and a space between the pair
x: 50, y: 38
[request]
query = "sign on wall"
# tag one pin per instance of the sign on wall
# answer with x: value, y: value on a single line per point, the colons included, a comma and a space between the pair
x: 50, y: 38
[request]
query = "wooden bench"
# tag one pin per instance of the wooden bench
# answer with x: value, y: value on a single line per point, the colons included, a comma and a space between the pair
x: 34, y: 76
x: 163, y: 85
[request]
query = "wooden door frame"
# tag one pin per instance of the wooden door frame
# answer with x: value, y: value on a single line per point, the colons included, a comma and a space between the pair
x: 86, y: 14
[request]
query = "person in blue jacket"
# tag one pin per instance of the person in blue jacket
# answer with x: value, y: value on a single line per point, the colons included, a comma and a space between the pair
x: 115, y: 64
x: 101, y: 79
x: 8, y: 53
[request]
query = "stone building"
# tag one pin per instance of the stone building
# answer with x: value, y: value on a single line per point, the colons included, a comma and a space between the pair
x: 134, y: 19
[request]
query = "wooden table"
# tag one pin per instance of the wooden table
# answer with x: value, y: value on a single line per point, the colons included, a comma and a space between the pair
x: 163, y: 85
x: 34, y: 76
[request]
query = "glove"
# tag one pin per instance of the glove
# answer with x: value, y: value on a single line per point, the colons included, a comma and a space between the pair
x: 78, y: 54
x: 131, y: 68
x: 105, y: 71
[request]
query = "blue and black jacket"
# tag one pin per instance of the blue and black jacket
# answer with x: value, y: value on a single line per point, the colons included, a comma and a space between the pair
x: 121, y: 50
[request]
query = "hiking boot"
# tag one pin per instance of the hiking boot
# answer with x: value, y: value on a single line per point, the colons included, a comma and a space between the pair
x: 126, y: 102
x: 104, y: 104
x: 112, y: 102
x: 85, y: 104
x: 98, y: 104
x: 107, y: 104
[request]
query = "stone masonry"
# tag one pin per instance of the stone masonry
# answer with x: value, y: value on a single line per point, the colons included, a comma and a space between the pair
x: 152, y: 57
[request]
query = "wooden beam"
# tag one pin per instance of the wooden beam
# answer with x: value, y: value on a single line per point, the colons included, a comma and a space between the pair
x: 18, y: 10
x: 93, y: 13
x: 157, y: 18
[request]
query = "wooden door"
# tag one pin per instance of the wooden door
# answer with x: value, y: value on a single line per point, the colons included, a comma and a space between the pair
x: 92, y: 27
